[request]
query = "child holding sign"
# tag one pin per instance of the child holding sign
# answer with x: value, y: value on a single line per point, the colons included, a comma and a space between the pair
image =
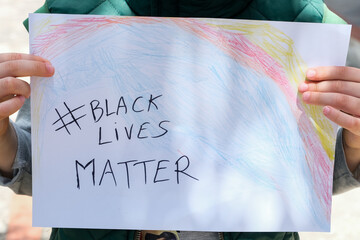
x: 335, y: 88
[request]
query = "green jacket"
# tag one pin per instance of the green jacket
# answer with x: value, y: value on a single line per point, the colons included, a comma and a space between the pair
x: 281, y: 10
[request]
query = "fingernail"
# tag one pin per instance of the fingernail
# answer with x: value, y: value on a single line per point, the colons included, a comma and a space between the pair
x: 306, y: 96
x: 303, y: 87
x: 326, y: 110
x: 311, y: 73
x: 22, y: 98
x: 49, y: 67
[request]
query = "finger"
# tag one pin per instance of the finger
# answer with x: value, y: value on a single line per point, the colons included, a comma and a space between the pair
x: 4, y: 57
x: 336, y: 86
x: 346, y: 103
x: 333, y: 73
x: 14, y: 86
x: 10, y: 106
x: 345, y: 120
x: 23, y: 68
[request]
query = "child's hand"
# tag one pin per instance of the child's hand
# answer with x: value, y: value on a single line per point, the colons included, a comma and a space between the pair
x: 338, y: 90
x: 13, y: 91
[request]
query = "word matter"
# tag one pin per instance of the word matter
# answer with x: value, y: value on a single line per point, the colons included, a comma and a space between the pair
x: 86, y: 173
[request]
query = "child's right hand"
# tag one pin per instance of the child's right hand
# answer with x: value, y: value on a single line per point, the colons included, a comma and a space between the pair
x: 13, y: 91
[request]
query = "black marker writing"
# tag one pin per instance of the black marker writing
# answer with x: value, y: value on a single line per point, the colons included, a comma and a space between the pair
x: 77, y: 163
x: 73, y: 119
x: 161, y: 171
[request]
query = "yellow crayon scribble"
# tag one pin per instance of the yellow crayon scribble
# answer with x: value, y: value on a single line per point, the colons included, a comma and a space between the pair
x: 281, y: 48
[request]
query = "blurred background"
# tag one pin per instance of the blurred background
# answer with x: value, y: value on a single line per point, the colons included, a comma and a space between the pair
x: 15, y: 211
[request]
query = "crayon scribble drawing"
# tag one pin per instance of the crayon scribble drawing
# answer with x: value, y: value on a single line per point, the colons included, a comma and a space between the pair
x: 172, y: 123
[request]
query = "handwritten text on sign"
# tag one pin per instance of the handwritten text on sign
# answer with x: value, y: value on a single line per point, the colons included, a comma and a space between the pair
x: 120, y: 109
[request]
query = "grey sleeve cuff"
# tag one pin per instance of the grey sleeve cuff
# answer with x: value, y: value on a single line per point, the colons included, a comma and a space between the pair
x: 21, y: 183
x: 344, y: 180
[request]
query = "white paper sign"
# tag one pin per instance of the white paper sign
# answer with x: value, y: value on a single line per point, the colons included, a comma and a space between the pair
x: 183, y: 124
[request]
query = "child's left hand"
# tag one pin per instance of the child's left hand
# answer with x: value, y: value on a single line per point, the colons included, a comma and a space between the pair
x: 338, y: 90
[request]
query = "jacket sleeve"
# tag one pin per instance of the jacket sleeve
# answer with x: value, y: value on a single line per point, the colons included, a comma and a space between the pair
x: 330, y: 17
x: 21, y: 182
x: 344, y: 180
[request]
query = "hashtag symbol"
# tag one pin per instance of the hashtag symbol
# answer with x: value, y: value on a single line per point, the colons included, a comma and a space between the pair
x: 70, y: 121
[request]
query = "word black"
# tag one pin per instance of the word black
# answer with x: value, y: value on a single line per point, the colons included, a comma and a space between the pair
x: 140, y: 104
